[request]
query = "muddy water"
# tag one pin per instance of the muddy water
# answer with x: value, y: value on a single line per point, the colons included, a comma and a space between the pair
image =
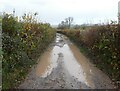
x: 63, y: 66
x: 48, y: 60
x: 44, y: 63
x: 84, y: 62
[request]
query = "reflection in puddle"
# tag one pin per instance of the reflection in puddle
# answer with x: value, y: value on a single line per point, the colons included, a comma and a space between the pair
x: 85, y: 64
x: 72, y: 65
x: 49, y: 60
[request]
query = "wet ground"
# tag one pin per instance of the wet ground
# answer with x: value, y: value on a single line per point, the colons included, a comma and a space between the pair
x: 63, y: 66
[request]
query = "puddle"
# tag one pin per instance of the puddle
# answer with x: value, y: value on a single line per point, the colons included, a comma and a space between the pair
x: 72, y: 65
x: 85, y: 64
x: 49, y: 59
x: 64, y: 65
x: 43, y: 63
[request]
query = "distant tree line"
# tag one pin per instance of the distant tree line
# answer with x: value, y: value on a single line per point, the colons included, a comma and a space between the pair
x: 66, y: 23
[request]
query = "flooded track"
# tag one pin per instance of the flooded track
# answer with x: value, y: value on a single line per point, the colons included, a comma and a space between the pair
x: 62, y: 66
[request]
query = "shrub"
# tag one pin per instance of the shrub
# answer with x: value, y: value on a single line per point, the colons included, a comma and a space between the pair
x: 103, y: 43
x: 22, y: 43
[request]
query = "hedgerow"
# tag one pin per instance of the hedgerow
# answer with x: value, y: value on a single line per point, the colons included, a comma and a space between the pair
x: 103, y: 45
x: 23, y: 40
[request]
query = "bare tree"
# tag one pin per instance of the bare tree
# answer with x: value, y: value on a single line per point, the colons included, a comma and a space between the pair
x: 69, y: 21
x: 66, y: 23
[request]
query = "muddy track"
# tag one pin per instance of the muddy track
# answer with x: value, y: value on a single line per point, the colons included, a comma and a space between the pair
x: 62, y: 66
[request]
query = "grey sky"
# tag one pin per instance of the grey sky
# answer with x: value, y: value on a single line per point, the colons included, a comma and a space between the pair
x: 54, y: 11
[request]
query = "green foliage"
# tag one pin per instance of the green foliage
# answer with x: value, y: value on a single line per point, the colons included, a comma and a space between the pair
x: 103, y: 43
x: 22, y: 43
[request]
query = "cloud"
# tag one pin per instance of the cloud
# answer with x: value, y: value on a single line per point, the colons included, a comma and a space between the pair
x: 54, y: 11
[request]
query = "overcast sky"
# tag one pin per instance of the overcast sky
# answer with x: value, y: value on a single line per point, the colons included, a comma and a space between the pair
x: 54, y: 11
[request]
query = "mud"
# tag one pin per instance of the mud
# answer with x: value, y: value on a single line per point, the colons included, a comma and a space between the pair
x: 63, y: 66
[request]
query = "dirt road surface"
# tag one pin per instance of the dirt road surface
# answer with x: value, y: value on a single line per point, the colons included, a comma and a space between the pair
x: 63, y: 66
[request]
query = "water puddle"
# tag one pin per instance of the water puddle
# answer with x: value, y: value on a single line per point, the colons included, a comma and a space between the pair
x: 85, y: 64
x: 48, y: 60
x: 72, y: 65
x: 43, y: 63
